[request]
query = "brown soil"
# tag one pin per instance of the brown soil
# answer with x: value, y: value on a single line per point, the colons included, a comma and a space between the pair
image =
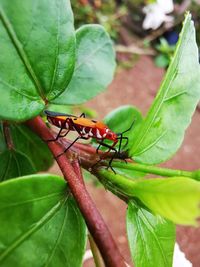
x: 138, y: 86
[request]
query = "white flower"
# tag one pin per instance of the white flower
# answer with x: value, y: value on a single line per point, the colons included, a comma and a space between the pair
x: 180, y: 259
x: 156, y: 14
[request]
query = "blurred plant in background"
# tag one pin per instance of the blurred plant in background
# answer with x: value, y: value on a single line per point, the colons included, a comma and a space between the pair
x: 134, y: 23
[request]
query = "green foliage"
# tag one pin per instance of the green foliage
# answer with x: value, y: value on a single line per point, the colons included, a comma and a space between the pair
x: 175, y: 199
x: 38, y: 48
x: 14, y: 164
x: 166, y: 52
x: 95, y: 65
x: 40, y: 223
x: 29, y: 154
x: 162, y: 131
x: 105, y: 13
x: 45, y: 62
x: 151, y: 238
x: 122, y: 118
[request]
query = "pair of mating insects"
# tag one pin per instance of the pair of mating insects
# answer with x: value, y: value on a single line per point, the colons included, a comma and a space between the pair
x: 87, y: 129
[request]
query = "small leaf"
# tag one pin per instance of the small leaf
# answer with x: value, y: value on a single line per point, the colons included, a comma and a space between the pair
x: 162, y: 61
x: 37, y: 55
x: 40, y: 223
x: 95, y: 65
x: 151, y: 238
x: 177, y: 198
x: 121, y: 119
x: 162, y: 131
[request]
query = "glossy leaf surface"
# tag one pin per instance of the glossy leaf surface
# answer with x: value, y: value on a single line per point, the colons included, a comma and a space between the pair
x: 37, y: 54
x: 151, y: 238
x: 162, y: 131
x: 40, y: 223
x: 95, y: 65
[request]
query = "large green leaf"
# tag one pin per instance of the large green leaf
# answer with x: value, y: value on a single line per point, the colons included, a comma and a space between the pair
x: 95, y: 65
x: 40, y: 223
x: 177, y: 199
x: 151, y: 238
x: 37, y: 54
x: 29, y: 154
x: 162, y: 132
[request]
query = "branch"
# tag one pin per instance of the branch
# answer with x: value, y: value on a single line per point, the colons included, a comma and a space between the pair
x: 72, y: 175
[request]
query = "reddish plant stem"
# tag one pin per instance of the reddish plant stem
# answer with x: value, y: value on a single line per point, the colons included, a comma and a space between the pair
x: 93, y: 219
x: 7, y: 135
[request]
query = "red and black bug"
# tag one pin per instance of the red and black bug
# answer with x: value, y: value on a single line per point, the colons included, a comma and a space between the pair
x: 86, y: 128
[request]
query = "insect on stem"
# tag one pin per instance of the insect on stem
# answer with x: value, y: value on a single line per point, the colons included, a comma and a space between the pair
x: 86, y: 129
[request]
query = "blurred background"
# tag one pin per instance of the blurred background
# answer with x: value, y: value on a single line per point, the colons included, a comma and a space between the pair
x: 144, y: 34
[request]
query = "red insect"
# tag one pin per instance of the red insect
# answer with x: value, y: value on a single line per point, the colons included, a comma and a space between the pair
x: 86, y: 129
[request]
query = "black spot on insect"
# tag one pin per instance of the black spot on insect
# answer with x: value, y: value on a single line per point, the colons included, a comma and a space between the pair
x: 94, y: 121
x: 75, y: 119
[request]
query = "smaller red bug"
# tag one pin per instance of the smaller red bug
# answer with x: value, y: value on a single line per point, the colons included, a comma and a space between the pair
x: 86, y: 128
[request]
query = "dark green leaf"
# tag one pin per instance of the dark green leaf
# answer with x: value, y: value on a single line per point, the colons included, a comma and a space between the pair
x: 162, y: 132
x: 32, y: 146
x: 151, y: 238
x: 40, y: 223
x: 37, y: 54
x: 95, y: 65
x: 14, y: 164
x: 29, y: 154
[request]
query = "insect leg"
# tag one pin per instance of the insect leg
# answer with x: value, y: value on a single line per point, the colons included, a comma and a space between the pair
x: 59, y: 134
x: 79, y: 137
x: 82, y: 115
x: 121, y: 138
x: 108, y: 146
x: 97, y: 150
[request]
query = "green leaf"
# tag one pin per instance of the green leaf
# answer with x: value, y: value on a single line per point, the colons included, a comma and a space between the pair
x: 32, y: 146
x: 95, y: 65
x: 40, y: 223
x: 121, y: 119
x: 177, y: 198
x: 151, y: 238
x: 162, y: 61
x: 37, y: 55
x: 14, y: 164
x: 162, y: 131
x: 29, y: 154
